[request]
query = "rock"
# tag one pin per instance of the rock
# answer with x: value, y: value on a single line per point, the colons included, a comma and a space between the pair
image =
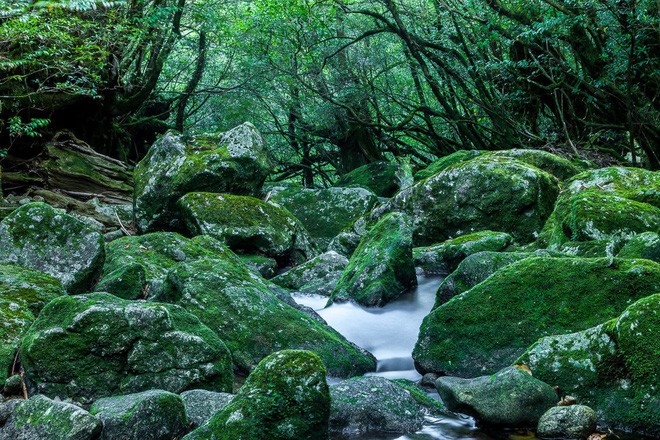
x: 97, y: 345
x: 247, y: 224
x: 231, y: 162
x: 326, y: 212
x: 13, y: 386
x: 252, y: 321
x: 317, y: 276
x: 201, y: 405
x: 445, y: 162
x: 42, y: 418
x: 381, y: 269
x: 149, y: 415
x: 444, y: 258
x: 484, y: 193
x: 371, y: 404
x: 561, y: 168
x: 42, y: 238
x: 383, y: 178
x: 348, y: 240
x: 567, y: 422
x: 645, y: 245
x: 127, y: 282
x: 524, y: 301
x: 612, y: 204
x: 613, y: 367
x: 510, y: 397
x: 285, y: 398
x: 23, y: 293
x: 264, y: 266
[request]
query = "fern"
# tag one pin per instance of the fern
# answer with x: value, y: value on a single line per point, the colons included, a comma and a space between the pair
x: 79, y: 5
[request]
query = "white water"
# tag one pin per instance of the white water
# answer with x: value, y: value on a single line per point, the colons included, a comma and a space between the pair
x: 390, y: 333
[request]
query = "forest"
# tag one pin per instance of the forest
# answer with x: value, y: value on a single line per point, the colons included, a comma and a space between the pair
x: 329, y: 219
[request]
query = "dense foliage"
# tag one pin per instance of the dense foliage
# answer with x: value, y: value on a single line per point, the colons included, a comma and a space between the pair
x: 336, y: 84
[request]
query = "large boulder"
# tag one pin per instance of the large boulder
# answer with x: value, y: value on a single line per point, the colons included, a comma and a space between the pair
x: 252, y: 321
x: 574, y: 422
x: 201, y: 405
x: 381, y: 269
x: 98, y: 345
x: 374, y: 404
x: 510, y: 397
x: 316, y: 276
x: 561, y: 168
x: 445, y: 162
x: 23, y: 293
x: 149, y: 415
x: 247, y: 225
x: 613, y: 367
x: 383, y: 178
x: 43, y: 418
x: 45, y: 239
x: 645, y: 245
x: 232, y: 162
x: 608, y: 204
x: 484, y: 193
x: 285, y: 398
x: 326, y: 212
x: 524, y: 301
x: 443, y: 258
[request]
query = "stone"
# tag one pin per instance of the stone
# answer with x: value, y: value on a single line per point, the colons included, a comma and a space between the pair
x: 42, y: 238
x: 264, y: 266
x: 613, y: 367
x: 23, y: 293
x: 326, y: 212
x: 128, y: 282
x: 525, y: 301
x: 148, y: 415
x: 383, y: 178
x: 285, y: 398
x: 373, y: 404
x: 43, y: 418
x: 97, y: 345
x: 247, y: 225
x: 510, y: 397
x: 561, y: 168
x: 444, y: 258
x: 574, y: 422
x: 445, y: 162
x: 253, y: 322
x: 13, y: 386
x: 231, y: 162
x: 201, y: 405
x: 381, y: 269
x: 645, y: 245
x: 317, y: 276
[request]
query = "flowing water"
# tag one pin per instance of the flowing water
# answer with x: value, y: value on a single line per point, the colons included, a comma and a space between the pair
x: 390, y: 333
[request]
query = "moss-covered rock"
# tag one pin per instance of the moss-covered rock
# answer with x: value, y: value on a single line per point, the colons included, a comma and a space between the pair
x: 43, y: 418
x: 149, y: 415
x: 510, y: 397
x: 381, y: 268
x: 264, y: 266
x: 201, y: 405
x: 571, y: 422
x: 445, y: 162
x: 635, y: 184
x: 374, y: 404
x: 42, y: 238
x: 484, y: 193
x: 285, y: 398
x: 127, y: 282
x: 326, y: 212
x: 645, y: 245
x: 383, y: 178
x: 613, y: 367
x: 231, y: 162
x: 252, y: 321
x: 98, y: 345
x: 247, y: 224
x: 444, y: 258
x: 561, y: 168
x: 318, y: 275
x: 23, y: 293
x: 524, y: 301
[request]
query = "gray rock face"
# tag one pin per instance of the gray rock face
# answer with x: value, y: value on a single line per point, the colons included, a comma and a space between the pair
x: 318, y: 275
x: 575, y: 422
x: 510, y: 397
x: 40, y: 237
x: 646, y: 245
x: 149, y: 415
x: 373, y: 404
x: 231, y: 162
x: 201, y: 405
x: 91, y: 346
x: 42, y: 418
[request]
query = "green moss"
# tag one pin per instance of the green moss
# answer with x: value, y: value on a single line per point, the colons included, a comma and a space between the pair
x: 379, y: 177
x: 645, y: 245
x: 420, y: 396
x: 127, y: 282
x: 526, y: 300
x: 559, y: 167
x: 445, y: 162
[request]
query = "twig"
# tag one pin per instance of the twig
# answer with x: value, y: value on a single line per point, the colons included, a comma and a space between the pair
x: 121, y: 225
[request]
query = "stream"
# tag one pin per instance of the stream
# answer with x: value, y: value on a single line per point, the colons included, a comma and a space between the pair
x: 390, y: 333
